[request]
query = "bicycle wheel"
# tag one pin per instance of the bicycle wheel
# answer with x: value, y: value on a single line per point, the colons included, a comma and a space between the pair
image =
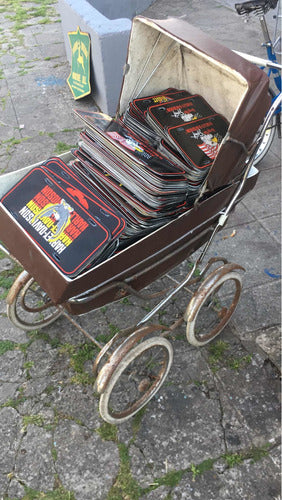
x: 28, y: 306
x: 267, y: 138
x: 136, y: 379
x: 212, y: 307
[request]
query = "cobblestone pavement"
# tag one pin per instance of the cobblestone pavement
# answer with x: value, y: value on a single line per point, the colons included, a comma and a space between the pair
x: 212, y: 431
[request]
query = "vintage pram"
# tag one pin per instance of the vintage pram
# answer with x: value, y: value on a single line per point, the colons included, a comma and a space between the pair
x: 133, y: 365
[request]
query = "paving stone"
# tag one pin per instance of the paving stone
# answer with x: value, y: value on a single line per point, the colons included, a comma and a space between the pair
x: 63, y: 332
x: 205, y: 486
x: 273, y: 157
x: 82, y: 454
x: 268, y: 346
x: 8, y: 123
x: 248, y: 481
x: 10, y: 437
x: 10, y: 332
x: 269, y: 342
x: 28, y: 405
x: 178, y: 273
x: 241, y: 214
x: 5, y: 263
x: 258, y: 481
x: 250, y: 244
x: 32, y: 119
x: 11, y: 366
x: 52, y: 30
x: 266, y: 189
x: 16, y: 490
x: 275, y: 456
x: 10, y: 135
x: 78, y: 403
x: 160, y: 493
x: 7, y: 391
x: 273, y: 225
x: 258, y: 307
x: 27, y: 56
x: 176, y: 431
x: 123, y: 315
x: 54, y: 374
x: 97, y: 322
x: 189, y: 366
x: 4, y: 90
x: 28, y: 152
x: 34, y: 463
x: 54, y: 50
x: 35, y: 387
x: 250, y: 405
x: 33, y: 81
x: 43, y: 359
x: 229, y: 22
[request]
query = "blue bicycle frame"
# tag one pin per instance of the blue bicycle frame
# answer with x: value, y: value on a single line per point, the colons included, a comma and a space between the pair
x: 276, y: 72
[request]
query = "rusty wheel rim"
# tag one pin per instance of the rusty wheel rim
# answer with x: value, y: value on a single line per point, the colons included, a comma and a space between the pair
x: 144, y: 396
x: 31, y: 286
x: 28, y: 307
x: 221, y: 307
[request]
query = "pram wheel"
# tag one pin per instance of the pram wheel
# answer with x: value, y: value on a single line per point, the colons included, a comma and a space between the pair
x: 28, y: 306
x: 138, y: 376
x: 213, y: 304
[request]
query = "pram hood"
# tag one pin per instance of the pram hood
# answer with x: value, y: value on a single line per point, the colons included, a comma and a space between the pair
x: 173, y: 53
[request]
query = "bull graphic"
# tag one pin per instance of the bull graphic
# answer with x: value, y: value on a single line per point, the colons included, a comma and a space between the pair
x: 186, y: 117
x: 59, y: 212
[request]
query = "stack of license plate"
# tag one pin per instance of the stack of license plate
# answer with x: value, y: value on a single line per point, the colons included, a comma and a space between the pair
x: 75, y: 227
x: 169, y: 115
x: 135, y: 117
x: 191, y: 128
x: 146, y: 187
x: 151, y: 162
